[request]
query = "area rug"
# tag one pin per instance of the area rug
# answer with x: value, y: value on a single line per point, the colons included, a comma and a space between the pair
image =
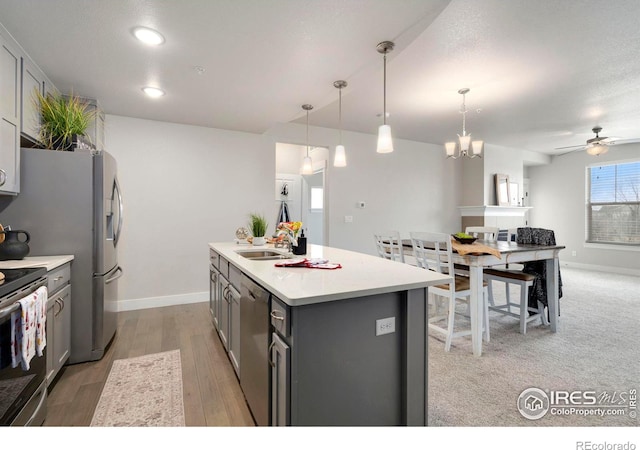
x: 145, y: 391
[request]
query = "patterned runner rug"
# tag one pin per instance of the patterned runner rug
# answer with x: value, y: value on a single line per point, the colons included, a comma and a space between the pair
x: 142, y: 392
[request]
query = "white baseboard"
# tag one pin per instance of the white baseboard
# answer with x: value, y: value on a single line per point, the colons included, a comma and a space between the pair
x: 156, y: 302
x: 597, y: 268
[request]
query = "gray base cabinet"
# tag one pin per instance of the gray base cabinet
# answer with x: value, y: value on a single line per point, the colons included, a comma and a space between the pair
x: 58, y: 320
x: 329, y: 368
x: 214, y: 295
x: 234, y: 322
x: 280, y: 392
x: 224, y: 305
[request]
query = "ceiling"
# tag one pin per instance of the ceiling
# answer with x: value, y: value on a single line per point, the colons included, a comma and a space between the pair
x: 541, y: 73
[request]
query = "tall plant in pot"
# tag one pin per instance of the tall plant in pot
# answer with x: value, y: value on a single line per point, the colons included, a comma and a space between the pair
x: 258, y: 227
x: 63, y: 119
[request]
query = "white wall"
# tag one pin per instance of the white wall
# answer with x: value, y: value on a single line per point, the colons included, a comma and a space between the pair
x: 557, y: 193
x: 503, y: 160
x: 415, y: 188
x: 183, y: 186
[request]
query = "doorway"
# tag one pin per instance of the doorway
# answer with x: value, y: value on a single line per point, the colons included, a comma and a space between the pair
x: 306, y: 195
x: 313, y: 204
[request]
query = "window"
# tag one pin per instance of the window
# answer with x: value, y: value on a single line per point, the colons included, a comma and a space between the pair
x: 317, y: 198
x: 613, y: 203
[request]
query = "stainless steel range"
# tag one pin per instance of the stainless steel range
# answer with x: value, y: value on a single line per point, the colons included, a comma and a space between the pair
x: 23, y: 393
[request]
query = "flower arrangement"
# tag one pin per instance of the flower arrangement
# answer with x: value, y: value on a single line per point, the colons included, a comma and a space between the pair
x: 290, y: 229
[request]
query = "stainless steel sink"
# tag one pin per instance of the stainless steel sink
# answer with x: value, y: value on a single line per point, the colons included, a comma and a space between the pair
x: 262, y: 255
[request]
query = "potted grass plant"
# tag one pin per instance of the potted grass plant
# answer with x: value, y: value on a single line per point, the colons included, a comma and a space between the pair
x: 258, y: 227
x: 64, y: 120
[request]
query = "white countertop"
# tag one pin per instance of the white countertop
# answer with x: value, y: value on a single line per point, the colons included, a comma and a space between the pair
x: 360, y: 275
x: 50, y: 262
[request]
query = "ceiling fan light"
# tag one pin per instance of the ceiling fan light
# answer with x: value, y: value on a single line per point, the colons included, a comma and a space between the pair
x: 385, y: 143
x: 340, y: 158
x: 450, y: 148
x: 597, y: 150
x: 476, y: 147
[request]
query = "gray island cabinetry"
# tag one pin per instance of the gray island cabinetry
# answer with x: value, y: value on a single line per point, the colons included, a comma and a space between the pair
x: 224, y: 305
x: 333, y: 347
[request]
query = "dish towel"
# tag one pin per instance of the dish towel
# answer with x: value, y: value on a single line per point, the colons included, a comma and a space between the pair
x: 28, y: 328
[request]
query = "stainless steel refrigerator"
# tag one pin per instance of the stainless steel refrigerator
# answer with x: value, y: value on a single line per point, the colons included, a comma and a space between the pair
x: 71, y: 204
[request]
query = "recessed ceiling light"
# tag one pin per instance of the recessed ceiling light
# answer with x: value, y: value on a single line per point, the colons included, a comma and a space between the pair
x: 153, y: 92
x: 148, y: 36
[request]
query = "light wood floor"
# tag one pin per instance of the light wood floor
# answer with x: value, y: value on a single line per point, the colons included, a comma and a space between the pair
x: 212, y: 395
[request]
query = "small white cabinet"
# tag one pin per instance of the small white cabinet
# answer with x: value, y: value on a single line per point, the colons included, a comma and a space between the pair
x: 58, y: 319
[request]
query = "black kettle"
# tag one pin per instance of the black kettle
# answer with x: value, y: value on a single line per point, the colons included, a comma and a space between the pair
x: 13, y: 247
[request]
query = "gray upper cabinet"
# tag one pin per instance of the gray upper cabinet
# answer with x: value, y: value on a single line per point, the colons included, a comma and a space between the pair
x: 32, y: 82
x: 10, y: 91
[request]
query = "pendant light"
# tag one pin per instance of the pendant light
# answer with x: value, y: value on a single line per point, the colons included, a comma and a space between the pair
x: 340, y: 158
x: 385, y: 142
x: 465, y: 139
x: 307, y: 167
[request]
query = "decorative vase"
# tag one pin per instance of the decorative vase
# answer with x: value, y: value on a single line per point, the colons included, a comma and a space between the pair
x: 259, y: 240
x: 13, y: 247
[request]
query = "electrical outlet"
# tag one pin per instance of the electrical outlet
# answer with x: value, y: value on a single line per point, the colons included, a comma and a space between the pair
x: 385, y: 326
x: 348, y: 219
x: 573, y: 253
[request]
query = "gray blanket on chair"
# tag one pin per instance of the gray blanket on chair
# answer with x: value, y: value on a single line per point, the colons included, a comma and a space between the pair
x: 538, y: 292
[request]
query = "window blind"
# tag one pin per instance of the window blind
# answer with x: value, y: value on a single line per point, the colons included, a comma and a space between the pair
x: 613, y: 203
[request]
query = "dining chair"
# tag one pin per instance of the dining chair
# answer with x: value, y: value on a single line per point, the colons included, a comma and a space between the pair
x: 515, y: 275
x: 389, y: 245
x: 483, y: 233
x: 433, y: 251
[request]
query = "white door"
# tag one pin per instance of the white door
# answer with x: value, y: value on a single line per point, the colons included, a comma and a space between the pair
x: 313, y: 206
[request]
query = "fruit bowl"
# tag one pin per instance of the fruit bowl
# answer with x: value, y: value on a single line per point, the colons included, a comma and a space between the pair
x: 464, y: 240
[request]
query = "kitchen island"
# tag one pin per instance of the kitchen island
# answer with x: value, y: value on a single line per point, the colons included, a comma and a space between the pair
x: 346, y: 346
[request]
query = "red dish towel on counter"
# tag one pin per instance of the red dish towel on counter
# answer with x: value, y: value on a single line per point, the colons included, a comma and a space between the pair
x: 28, y: 328
x: 309, y: 263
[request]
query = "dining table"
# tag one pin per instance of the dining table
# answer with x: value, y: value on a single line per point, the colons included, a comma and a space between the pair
x: 486, y: 253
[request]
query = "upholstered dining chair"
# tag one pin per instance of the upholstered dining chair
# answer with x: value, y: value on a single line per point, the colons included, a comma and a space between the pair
x: 389, y: 245
x: 433, y: 251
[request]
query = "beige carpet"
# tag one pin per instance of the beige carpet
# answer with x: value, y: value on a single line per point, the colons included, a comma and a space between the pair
x: 596, y: 349
x: 142, y: 392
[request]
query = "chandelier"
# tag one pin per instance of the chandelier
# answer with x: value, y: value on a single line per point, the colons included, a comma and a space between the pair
x: 461, y: 148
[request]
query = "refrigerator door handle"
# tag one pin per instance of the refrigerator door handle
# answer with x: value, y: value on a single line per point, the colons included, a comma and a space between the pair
x: 117, y: 191
x: 117, y: 274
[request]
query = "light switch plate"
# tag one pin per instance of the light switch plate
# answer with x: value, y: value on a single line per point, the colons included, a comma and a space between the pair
x: 348, y: 219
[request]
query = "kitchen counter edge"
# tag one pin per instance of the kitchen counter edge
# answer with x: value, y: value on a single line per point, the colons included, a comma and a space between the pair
x: 49, y: 262
x: 310, y: 286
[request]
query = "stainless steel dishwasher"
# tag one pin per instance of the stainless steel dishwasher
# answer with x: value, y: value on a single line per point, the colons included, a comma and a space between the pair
x: 254, y: 348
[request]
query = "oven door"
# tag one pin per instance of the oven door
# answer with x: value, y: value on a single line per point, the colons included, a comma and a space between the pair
x: 19, y: 387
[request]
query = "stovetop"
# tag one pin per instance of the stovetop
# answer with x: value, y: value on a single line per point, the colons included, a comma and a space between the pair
x: 15, y: 279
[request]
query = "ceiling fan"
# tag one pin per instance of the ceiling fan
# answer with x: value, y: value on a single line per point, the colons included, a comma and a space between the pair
x: 597, y: 145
